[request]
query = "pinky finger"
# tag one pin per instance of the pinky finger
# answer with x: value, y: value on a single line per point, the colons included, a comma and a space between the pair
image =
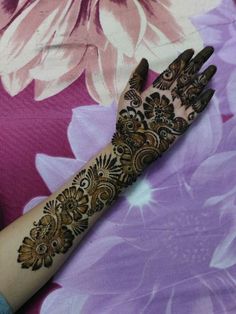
x: 200, y: 104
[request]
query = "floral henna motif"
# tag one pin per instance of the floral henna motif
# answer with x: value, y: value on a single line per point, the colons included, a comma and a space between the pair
x: 47, y: 238
x: 167, y: 78
x: 100, y: 182
x: 136, y: 81
x: 73, y: 204
x: 161, y: 113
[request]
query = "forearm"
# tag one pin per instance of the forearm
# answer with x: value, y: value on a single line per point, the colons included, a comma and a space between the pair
x: 34, y: 246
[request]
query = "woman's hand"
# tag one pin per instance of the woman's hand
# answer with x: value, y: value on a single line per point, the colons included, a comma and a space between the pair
x: 150, y: 121
x: 38, y: 243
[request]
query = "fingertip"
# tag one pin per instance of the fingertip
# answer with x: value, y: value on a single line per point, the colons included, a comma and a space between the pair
x: 210, y: 93
x: 144, y: 60
x: 142, y: 68
x: 210, y: 48
x: 203, y: 100
x: 213, y: 68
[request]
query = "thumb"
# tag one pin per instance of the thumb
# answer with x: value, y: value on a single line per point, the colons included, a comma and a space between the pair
x: 138, y: 76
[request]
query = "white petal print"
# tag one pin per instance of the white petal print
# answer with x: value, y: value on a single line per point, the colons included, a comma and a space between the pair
x: 45, y: 89
x: 95, y: 77
x: 225, y: 253
x: 162, y: 51
x: 124, y: 68
x: 225, y: 52
x: 55, y: 302
x: 108, y: 61
x: 120, y: 30
x: 34, y: 202
x: 15, y: 82
x: 6, y: 14
x: 63, y: 53
x: 191, y: 8
x: 55, y: 171
x: 213, y: 172
x: 88, y: 123
x: 203, y: 305
x: 115, y: 33
x: 59, y: 62
x: 19, y: 43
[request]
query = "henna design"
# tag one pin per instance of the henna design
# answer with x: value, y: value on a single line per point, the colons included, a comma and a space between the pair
x: 136, y: 81
x: 167, y: 78
x: 135, y: 99
x: 47, y: 238
x: 161, y: 112
x: 137, y: 78
x: 188, y: 94
x: 73, y: 204
x: 146, y: 127
x: 67, y: 216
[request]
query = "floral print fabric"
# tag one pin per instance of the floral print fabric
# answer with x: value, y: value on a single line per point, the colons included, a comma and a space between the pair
x: 168, y: 244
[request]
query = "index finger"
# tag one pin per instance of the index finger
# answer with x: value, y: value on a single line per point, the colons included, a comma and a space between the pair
x: 167, y: 78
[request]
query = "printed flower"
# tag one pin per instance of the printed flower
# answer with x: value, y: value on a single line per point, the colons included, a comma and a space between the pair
x: 9, y: 9
x: 54, y: 42
x: 73, y: 204
x: 218, y: 28
x: 160, y: 238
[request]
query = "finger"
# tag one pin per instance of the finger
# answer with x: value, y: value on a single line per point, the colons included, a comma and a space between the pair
x: 139, y: 76
x: 200, y: 104
x: 167, y: 78
x: 189, y: 94
x: 135, y: 84
x: 198, y: 61
x: 194, y: 66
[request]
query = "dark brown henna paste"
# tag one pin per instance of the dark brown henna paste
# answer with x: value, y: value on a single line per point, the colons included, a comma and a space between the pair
x: 133, y: 97
x: 145, y: 129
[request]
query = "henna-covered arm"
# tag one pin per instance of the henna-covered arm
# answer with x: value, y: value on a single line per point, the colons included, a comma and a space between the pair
x: 34, y: 246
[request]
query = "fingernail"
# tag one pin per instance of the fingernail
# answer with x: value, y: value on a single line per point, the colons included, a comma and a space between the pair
x: 187, y: 54
x: 200, y: 105
x: 205, y: 54
x: 213, y: 68
x: 142, y: 68
x: 210, y: 71
x: 210, y: 48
